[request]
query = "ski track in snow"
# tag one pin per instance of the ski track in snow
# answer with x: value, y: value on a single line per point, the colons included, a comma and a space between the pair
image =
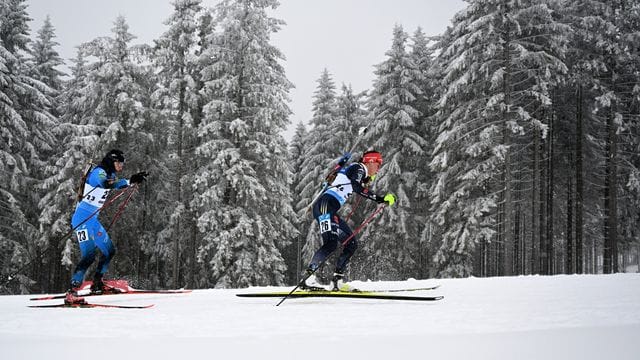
x: 527, y: 317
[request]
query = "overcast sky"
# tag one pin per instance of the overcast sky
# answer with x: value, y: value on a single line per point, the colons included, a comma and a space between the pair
x: 348, y: 37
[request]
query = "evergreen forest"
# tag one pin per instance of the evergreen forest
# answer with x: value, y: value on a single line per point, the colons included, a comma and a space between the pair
x: 511, y: 140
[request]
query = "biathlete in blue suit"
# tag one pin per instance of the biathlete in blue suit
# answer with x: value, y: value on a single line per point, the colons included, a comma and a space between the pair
x: 353, y: 178
x: 89, y: 231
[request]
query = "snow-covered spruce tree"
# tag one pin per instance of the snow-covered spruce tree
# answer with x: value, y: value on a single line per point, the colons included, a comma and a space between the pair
x: 597, y: 147
x: 616, y: 106
x: 78, y: 139
x: 351, y: 117
x: 116, y: 96
x: 293, y: 254
x: 43, y: 66
x: 392, y: 241
x: 499, y: 59
x: 113, y: 85
x: 40, y: 113
x: 177, y: 100
x: 45, y: 58
x: 422, y: 55
x: 25, y: 119
x: 582, y: 139
x: 324, y: 147
x: 628, y: 86
x: 242, y: 182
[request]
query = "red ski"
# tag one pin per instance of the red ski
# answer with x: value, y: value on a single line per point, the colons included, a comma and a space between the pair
x: 90, y: 305
x: 116, y: 287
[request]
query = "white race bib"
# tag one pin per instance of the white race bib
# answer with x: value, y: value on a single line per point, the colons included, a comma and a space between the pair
x: 95, y: 196
x: 341, y: 188
x: 325, y: 223
x: 83, y: 235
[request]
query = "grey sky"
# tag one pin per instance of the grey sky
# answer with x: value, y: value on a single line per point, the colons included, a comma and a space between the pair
x: 348, y: 37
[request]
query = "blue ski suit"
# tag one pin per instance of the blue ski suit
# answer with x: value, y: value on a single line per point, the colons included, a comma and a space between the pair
x: 91, y: 233
x: 333, y: 229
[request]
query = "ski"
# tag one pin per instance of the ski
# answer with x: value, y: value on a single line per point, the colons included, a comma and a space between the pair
x: 403, y: 290
x: 117, y: 287
x: 341, y: 294
x: 356, y: 290
x: 85, y: 293
x: 91, y: 305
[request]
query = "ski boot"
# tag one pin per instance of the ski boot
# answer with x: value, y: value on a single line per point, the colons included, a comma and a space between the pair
x: 338, y: 284
x: 311, y: 283
x: 71, y: 297
x: 98, y: 287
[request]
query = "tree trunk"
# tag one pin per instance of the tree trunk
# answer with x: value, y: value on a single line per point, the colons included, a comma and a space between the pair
x: 535, y: 206
x: 193, y: 269
x: 569, y: 263
x: 579, y: 196
x: 610, y: 261
x: 517, y: 243
x: 517, y: 228
x: 507, y: 230
x: 542, y: 247
x: 524, y: 251
x: 177, y: 233
x: 550, y: 191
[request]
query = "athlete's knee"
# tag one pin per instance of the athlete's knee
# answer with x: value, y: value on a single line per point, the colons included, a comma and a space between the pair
x: 86, y: 260
x: 351, y: 246
x: 108, y: 252
x: 329, y: 241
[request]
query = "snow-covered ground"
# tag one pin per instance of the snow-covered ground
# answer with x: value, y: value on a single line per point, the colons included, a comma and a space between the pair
x: 531, y: 317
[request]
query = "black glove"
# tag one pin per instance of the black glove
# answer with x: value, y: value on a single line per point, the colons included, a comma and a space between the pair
x: 138, y: 177
x: 344, y: 159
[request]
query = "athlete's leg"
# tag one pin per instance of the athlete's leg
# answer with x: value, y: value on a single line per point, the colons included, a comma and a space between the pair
x: 325, y: 213
x: 349, y: 248
x: 85, y: 237
x: 103, y: 242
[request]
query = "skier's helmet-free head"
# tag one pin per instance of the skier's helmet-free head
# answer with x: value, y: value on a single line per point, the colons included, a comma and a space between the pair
x: 110, y: 158
x: 371, y: 157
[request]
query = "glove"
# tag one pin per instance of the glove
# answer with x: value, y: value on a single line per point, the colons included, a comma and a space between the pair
x: 138, y: 177
x: 344, y: 159
x: 390, y: 199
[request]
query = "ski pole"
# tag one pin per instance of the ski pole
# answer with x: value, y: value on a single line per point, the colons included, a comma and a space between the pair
x: 353, y: 208
x: 345, y: 242
x: 357, y: 230
x: 122, y: 206
x: 106, y: 204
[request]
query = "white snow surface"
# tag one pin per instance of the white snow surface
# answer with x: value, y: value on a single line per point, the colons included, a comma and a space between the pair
x: 528, y: 317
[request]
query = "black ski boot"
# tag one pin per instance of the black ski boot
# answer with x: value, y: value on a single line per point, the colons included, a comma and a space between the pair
x: 98, y: 287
